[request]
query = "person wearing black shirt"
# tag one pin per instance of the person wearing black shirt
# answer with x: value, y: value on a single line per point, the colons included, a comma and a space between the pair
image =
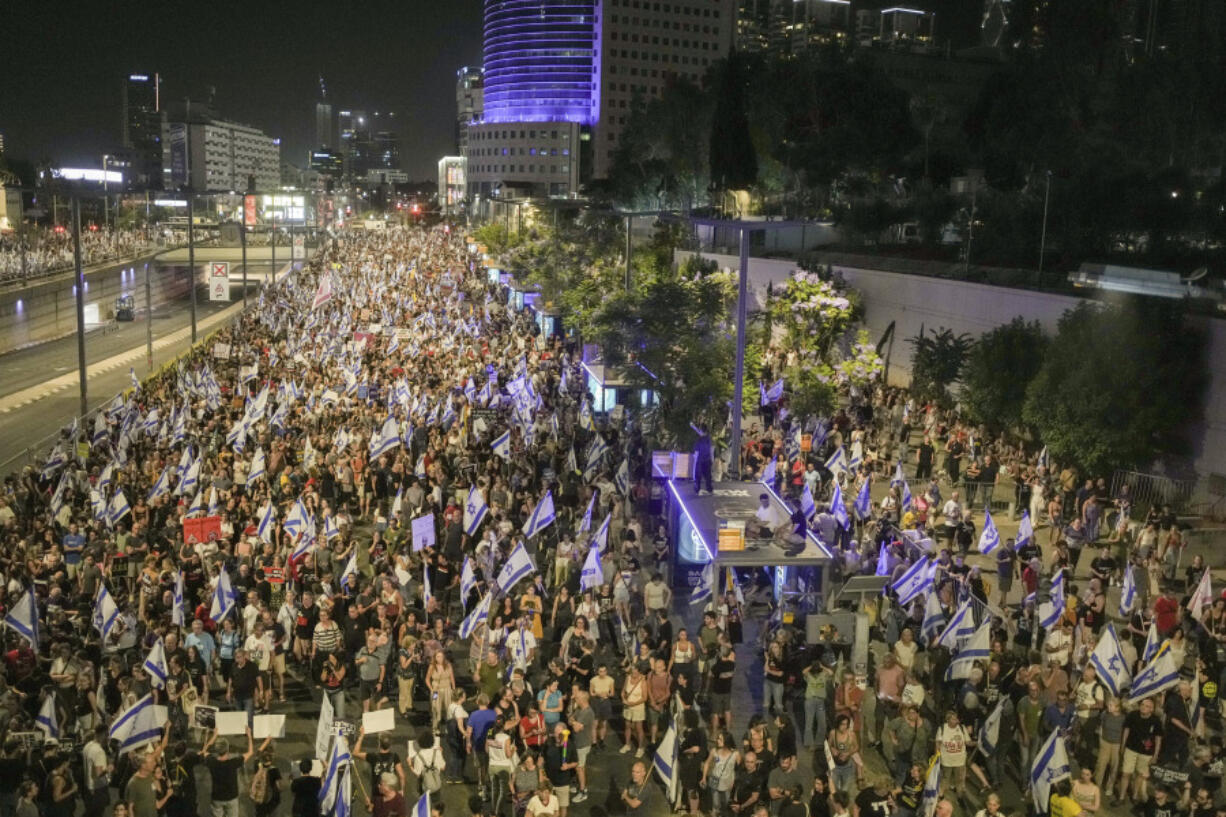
x: 1160, y: 804
x: 1142, y: 741
x: 923, y: 460
x: 223, y: 771
x: 875, y: 801
x: 748, y: 787
x: 306, y: 792
x: 245, y: 684
x: 1103, y: 567
x: 1178, y: 711
x: 561, y: 759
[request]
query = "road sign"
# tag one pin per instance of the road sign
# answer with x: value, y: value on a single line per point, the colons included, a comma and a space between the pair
x: 219, y: 281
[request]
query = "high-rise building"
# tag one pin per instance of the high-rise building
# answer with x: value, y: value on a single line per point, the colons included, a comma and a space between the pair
x: 142, y: 129
x: 469, y: 93
x: 223, y: 155
x: 323, y: 126
x: 560, y: 78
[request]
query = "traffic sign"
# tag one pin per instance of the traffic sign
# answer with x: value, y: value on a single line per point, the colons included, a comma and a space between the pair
x: 219, y: 281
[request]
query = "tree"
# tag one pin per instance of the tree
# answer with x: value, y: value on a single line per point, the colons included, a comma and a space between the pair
x: 814, y: 313
x: 998, y: 369
x: 1118, y: 385
x: 734, y: 163
x: 936, y: 363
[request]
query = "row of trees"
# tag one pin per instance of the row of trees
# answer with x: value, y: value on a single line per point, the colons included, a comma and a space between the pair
x: 1116, y: 387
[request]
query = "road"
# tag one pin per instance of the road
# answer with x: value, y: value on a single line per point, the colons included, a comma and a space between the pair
x: 39, y: 391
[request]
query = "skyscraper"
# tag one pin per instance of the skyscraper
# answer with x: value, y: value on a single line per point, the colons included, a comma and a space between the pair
x: 142, y: 129
x: 469, y: 95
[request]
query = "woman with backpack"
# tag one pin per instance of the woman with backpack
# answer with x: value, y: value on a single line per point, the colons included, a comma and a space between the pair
x: 426, y: 762
x: 266, y: 782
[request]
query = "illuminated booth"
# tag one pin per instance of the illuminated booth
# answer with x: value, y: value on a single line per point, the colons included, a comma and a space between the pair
x: 610, y: 388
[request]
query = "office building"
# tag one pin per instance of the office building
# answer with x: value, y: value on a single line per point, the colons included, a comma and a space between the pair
x: 223, y: 156
x: 141, y: 132
x: 561, y: 77
x: 469, y: 94
x: 452, y: 183
x: 324, y: 139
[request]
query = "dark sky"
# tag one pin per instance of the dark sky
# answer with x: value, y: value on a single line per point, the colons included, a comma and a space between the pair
x: 62, y: 67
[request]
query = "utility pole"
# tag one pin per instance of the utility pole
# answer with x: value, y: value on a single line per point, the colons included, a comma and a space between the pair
x: 738, y: 382
x: 80, y: 287
x: 1043, y: 236
x: 242, y: 235
x: 629, y: 221
x: 148, y: 320
x: 191, y: 219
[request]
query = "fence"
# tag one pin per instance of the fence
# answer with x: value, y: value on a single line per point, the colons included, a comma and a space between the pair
x: 1149, y: 490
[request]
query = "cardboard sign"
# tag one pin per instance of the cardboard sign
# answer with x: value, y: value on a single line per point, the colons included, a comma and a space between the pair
x: 231, y: 723
x: 221, y: 351
x: 204, y: 717
x: 202, y: 529
x: 423, y: 532
x: 267, y: 726
x: 381, y: 720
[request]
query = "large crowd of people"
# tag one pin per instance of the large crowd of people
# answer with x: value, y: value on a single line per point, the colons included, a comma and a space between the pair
x: 384, y: 486
x: 48, y: 251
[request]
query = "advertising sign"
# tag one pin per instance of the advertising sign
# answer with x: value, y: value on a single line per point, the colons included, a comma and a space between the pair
x: 249, y: 210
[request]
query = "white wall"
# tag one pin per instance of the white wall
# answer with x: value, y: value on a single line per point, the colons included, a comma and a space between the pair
x: 914, y: 301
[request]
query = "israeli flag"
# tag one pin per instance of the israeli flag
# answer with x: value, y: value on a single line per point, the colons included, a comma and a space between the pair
x: 807, y: 505
x: 257, y: 467
x: 350, y: 569
x: 883, y: 561
x: 768, y: 474
x: 422, y: 809
x: 1051, y: 610
x: 600, y: 541
x: 975, y: 649
x: 959, y: 629
x: 331, y: 530
x: 386, y: 439
x: 191, y: 479
x: 155, y: 665
x: 100, y: 429
x: 586, y: 524
x: 1109, y: 663
x: 1050, y: 766
x: 48, y: 720
x: 542, y: 516
x: 664, y: 761
x: 107, y: 476
x: 138, y: 724
x: 837, y: 463
x: 268, y: 519
x: 475, y: 511
x: 934, y: 618
x: 479, y: 614
x: 57, y: 499
x: 989, y: 731
x: 213, y: 504
x: 622, y: 480
x: 502, y: 445
x: 1153, y: 644
x: 224, y: 597
x: 1201, y: 598
x: 906, y: 496
x: 22, y: 618
x: 1128, y: 594
x: 296, y: 519
x: 898, y: 478
x: 863, y: 506
x: 1159, y: 675
x: 705, y: 589
x: 1025, y: 532
x: 585, y: 416
x: 468, y: 580
x: 519, y: 564
x: 1044, y: 460
x: 106, y: 612
x: 838, y: 509
x: 176, y: 614
x: 572, y: 462
x: 593, y: 574
x: 118, y: 508
x: 932, y: 787
x: 915, y: 581
x: 338, y: 763
x: 197, y: 505
x: 775, y: 393
x: 989, y: 538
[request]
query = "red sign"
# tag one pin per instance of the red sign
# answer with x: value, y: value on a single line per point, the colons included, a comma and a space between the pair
x: 249, y: 210
x: 202, y: 529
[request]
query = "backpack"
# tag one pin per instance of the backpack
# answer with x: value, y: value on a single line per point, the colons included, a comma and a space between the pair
x: 430, y: 778
x: 260, y: 793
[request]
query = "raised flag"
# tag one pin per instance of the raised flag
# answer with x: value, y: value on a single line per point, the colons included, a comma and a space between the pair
x: 1051, y: 610
x: 22, y: 617
x: 350, y: 569
x: 502, y: 445
x: 906, y: 496
x: 768, y: 473
x: 1153, y: 644
x: 586, y: 524
x: 1159, y: 675
x: 542, y: 516
x: 1025, y: 531
x: 899, y: 478
x: 257, y: 467
x: 224, y: 597
x: 704, y: 590
x: 323, y: 293
x: 664, y: 761
x: 932, y: 787
x: 1050, y: 766
x: 475, y: 511
x: 838, y: 508
x: 622, y: 479
x: 934, y: 618
x: 837, y: 462
x: 468, y: 580
x: 592, y: 574
x: 106, y: 612
x: 960, y: 628
x: 268, y: 520
x: 1108, y: 661
x: 155, y: 664
x: 914, y: 581
x: 518, y: 565
x: 176, y: 614
x: 387, y: 438
x: 48, y: 720
x: 863, y: 506
x: 989, y: 538
x: 338, y: 762
x: 1201, y: 598
x: 989, y: 730
x: 479, y: 614
x: 118, y: 508
x: 1128, y: 593
x: 600, y: 540
x: 976, y: 648
x: 807, y: 504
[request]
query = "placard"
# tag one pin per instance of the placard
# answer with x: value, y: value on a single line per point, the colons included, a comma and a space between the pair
x: 324, y: 729
x: 381, y: 720
x: 231, y: 723
x: 202, y: 529
x: 267, y: 726
x: 221, y: 351
x: 204, y: 717
x: 28, y: 740
x: 423, y: 531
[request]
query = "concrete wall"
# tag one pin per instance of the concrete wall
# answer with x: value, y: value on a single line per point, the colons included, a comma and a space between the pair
x: 913, y: 301
x: 47, y: 310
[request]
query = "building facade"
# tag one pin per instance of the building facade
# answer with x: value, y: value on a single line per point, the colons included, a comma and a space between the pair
x: 142, y: 130
x: 220, y: 155
x: 469, y: 98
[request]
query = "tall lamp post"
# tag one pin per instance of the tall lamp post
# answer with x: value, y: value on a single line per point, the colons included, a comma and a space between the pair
x: 106, y: 194
x: 190, y: 191
x: 1043, y: 235
x: 80, y: 288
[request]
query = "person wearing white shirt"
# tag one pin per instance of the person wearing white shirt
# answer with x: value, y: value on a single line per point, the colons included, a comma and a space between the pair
x: 952, y: 511
x: 521, y: 645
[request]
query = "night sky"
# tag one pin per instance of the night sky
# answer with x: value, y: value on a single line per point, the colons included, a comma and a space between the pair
x: 62, y: 68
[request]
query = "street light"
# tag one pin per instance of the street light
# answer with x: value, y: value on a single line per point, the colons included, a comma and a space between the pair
x: 106, y: 198
x: 1043, y: 235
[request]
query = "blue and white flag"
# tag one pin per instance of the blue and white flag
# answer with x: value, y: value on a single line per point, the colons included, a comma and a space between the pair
x: 1128, y: 594
x: 1050, y: 766
x: 475, y: 511
x: 837, y: 462
x: 385, y: 439
x: 542, y: 516
x: 704, y: 590
x: 1153, y: 644
x: 1159, y: 675
x: 331, y: 529
x: 468, y: 580
x: 100, y: 429
x: 586, y: 524
x: 664, y: 761
x: 572, y: 462
x: 1109, y: 663
x: 177, y: 616
x: 502, y: 445
x: 197, y: 506
x: 162, y: 486
x: 1201, y: 598
x: 838, y: 508
x: 422, y: 809
x: 118, y: 508
x: 155, y: 664
x: 1051, y: 610
x: 338, y: 762
x: 296, y: 519
x: 622, y: 478
x: 976, y: 648
x: 863, y: 506
x: 106, y: 612
x: 257, y: 467
x: 139, y: 724
x: 768, y: 474
x: 1044, y: 460
x: 585, y: 416
x: 350, y: 569
x: 519, y: 564
x: 600, y: 540
x: 1025, y: 531
x: 932, y: 787
x: 959, y: 629
x: 592, y: 574
x: 989, y: 538
x: 934, y: 618
x: 899, y: 478
x: 807, y: 504
x: 191, y: 479
x: 989, y: 731
x: 224, y: 597
x: 906, y: 496
x: 479, y: 614
x: 774, y: 394
x: 48, y: 720
x: 267, y: 525
x: 916, y: 580
x: 22, y: 618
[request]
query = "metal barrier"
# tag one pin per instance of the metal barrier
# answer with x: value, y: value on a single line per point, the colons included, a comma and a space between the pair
x: 1149, y: 490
